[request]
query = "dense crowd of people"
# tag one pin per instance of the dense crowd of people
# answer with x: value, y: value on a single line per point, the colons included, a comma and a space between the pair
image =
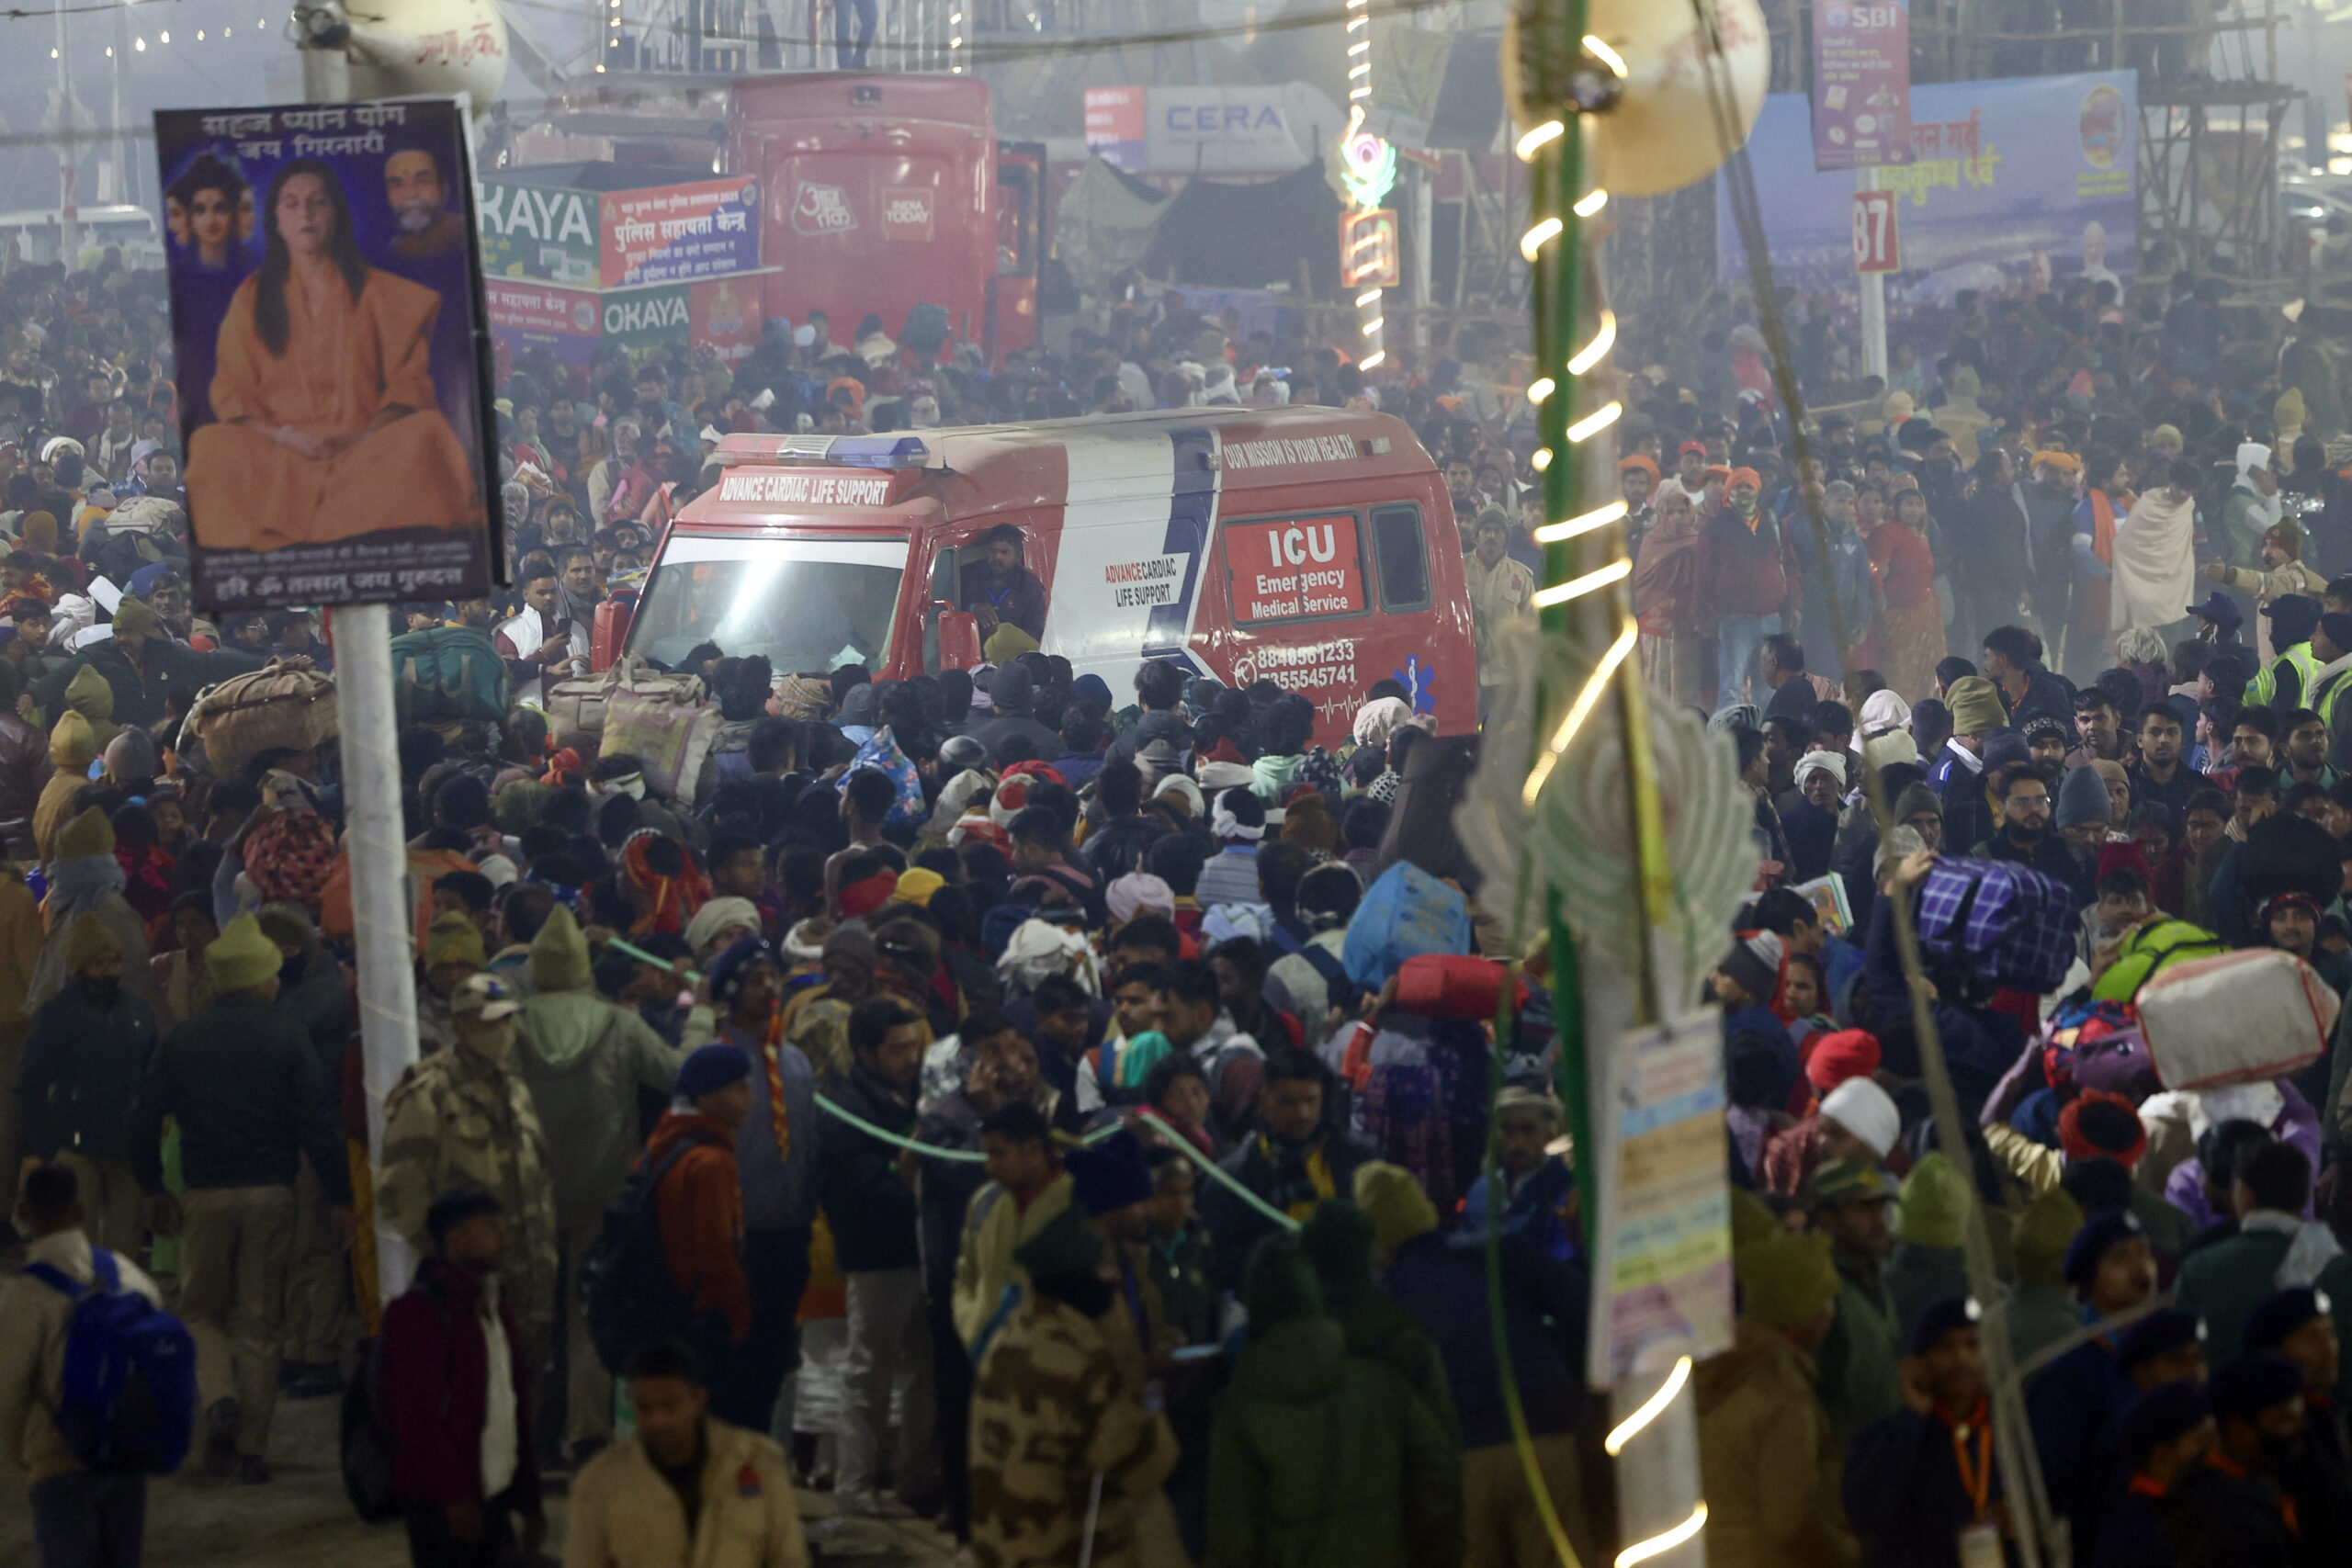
x: 1060, y: 1112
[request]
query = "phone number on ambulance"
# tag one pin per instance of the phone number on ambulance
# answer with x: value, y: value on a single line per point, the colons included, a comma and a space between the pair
x: 1315, y: 664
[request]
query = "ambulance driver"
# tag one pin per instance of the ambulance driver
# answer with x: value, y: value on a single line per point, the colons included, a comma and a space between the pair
x: 998, y: 590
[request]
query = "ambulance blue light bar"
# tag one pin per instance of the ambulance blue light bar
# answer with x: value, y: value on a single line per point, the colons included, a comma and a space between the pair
x: 849, y: 451
x: 878, y: 451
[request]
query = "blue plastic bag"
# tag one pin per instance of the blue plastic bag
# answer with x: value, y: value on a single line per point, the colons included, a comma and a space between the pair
x: 1406, y: 913
x: 881, y: 751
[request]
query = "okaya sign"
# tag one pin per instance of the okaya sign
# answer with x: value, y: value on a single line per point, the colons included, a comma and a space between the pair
x: 544, y: 231
x: 642, y: 319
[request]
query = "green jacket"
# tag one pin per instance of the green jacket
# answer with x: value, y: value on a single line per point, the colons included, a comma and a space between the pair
x: 1860, y: 1378
x: 1385, y: 1330
x: 1318, y: 1458
x: 2223, y: 1283
x: 584, y: 1060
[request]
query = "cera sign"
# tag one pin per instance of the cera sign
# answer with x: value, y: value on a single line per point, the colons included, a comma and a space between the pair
x: 1204, y: 130
x: 1291, y: 570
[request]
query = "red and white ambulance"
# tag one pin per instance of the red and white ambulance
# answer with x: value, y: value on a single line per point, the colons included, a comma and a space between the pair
x: 1314, y: 547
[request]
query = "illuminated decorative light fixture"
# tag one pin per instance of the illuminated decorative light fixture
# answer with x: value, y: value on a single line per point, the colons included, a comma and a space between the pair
x: 1539, y: 389
x: 1594, y: 687
x: 1630, y: 1427
x: 1592, y: 354
x: 1591, y: 202
x: 1601, y: 50
x: 1595, y: 422
x: 1528, y: 145
x: 1542, y: 460
x: 1577, y: 587
x: 1367, y: 174
x: 1576, y: 527
x: 1537, y: 237
x: 1659, y: 1545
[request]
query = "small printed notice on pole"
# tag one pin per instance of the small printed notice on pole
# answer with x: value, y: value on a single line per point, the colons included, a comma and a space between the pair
x: 1861, y: 83
x: 1662, y: 1243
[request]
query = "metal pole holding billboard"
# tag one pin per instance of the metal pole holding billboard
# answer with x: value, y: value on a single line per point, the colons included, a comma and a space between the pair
x: 368, y: 748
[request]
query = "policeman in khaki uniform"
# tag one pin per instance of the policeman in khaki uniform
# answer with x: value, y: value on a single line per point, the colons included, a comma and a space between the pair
x: 464, y: 1117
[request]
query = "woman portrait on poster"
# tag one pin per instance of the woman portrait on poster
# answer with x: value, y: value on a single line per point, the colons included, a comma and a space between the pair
x: 327, y: 425
x: 209, y: 209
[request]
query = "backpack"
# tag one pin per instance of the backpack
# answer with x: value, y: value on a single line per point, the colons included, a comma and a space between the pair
x: 2000, y: 921
x: 2150, y: 949
x: 450, y: 675
x: 128, y: 1400
x: 366, y: 1441
x: 632, y: 1297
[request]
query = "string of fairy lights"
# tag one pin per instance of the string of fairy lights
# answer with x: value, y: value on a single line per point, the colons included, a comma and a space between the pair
x: 1368, y: 254
x: 140, y: 42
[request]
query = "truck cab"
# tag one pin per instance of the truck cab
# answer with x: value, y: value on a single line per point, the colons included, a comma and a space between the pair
x: 1314, y: 547
x: 883, y: 192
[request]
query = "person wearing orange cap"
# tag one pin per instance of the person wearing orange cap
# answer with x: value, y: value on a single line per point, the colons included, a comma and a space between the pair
x: 1744, y: 572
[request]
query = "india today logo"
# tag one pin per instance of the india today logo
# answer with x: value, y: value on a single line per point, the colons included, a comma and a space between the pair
x: 906, y: 212
x: 821, y: 210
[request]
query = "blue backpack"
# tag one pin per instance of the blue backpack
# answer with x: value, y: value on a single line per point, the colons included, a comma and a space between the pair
x: 128, y: 1399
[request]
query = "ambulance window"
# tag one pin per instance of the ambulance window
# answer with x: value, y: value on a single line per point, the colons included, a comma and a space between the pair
x: 1404, y: 558
x: 1291, y: 568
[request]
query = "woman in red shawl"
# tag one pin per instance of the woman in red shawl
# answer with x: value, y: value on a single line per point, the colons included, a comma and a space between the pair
x: 1910, y: 627
x: 1666, y: 581
x: 146, y: 865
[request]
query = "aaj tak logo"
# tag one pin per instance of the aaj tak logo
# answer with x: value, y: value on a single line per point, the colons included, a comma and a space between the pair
x: 821, y: 210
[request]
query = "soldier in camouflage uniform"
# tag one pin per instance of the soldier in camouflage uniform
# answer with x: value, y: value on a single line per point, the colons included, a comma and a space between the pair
x: 1053, y: 1409
x: 464, y: 1118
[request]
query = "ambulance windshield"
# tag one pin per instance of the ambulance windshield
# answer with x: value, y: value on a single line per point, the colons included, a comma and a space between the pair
x: 806, y: 604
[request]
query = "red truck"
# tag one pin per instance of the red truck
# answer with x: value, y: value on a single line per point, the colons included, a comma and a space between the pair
x: 883, y: 192
x: 877, y: 193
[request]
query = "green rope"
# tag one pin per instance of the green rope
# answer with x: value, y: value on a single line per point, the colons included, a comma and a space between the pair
x: 1192, y: 1151
x: 929, y: 1151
